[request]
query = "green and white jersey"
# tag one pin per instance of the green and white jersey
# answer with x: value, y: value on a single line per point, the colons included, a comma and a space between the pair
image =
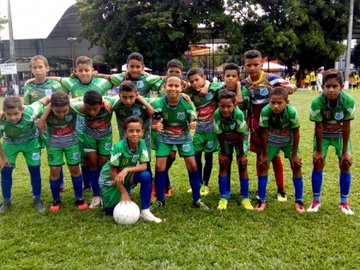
x: 332, y: 117
x: 205, y: 107
x: 280, y: 126
x: 232, y: 124
x: 35, y: 92
x: 122, y: 157
x: 175, y: 120
x: 25, y: 130
x: 144, y: 84
x: 61, y: 132
x: 78, y: 89
x: 99, y: 126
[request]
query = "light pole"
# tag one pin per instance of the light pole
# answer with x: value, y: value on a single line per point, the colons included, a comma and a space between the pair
x: 348, y: 48
x: 72, y: 50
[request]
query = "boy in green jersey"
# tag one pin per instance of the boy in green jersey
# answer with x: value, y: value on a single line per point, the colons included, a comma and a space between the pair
x: 126, y: 169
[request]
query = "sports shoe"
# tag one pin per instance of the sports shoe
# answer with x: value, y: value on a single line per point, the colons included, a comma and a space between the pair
x: 204, y: 190
x: 95, y: 202
x: 281, y: 196
x: 156, y: 205
x: 314, y: 207
x: 39, y: 205
x: 260, y: 206
x: 222, y: 204
x: 200, y: 204
x: 299, y: 207
x: 247, y: 204
x: 168, y: 192
x: 81, y: 205
x: 5, y: 206
x: 146, y: 215
x: 344, y: 207
x: 55, y: 206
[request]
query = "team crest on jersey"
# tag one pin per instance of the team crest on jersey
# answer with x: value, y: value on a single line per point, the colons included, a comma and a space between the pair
x: 232, y: 126
x: 186, y: 147
x: 135, y: 158
x: 264, y: 91
x: 76, y: 156
x: 210, y: 144
x: 180, y: 115
x: 140, y: 84
x: 36, y: 156
x: 68, y: 118
x: 137, y: 112
x: 33, y: 94
x: 339, y: 115
x: 107, y: 146
x: 209, y: 96
x: 48, y: 92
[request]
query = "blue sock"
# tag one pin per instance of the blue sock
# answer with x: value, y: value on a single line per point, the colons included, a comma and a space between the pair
x: 160, y: 186
x: 55, y: 189
x: 299, y: 186
x: 94, y: 180
x: 6, y: 182
x: 195, y: 185
x: 61, y: 176
x: 207, y: 168
x: 223, y: 186
x: 316, y: 182
x: 144, y: 179
x: 199, y: 165
x: 244, y: 188
x: 228, y: 185
x: 262, y: 183
x: 35, y: 178
x: 148, y: 168
x: 77, y: 185
x: 345, y: 182
x: 85, y: 176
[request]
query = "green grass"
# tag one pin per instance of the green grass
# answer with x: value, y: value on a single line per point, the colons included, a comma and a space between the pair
x: 189, y: 238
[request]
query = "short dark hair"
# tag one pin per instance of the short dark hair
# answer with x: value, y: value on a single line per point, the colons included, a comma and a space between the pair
x: 227, y: 95
x: 334, y: 74
x: 135, y: 56
x: 127, y: 86
x: 132, y: 119
x: 172, y: 74
x: 174, y: 63
x: 83, y: 60
x: 232, y: 66
x: 279, y: 91
x: 92, y: 97
x: 59, y: 99
x: 251, y: 54
x: 39, y: 58
x: 194, y: 71
x: 12, y: 102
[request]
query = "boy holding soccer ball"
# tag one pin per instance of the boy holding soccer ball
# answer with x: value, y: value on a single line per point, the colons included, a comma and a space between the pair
x: 127, y: 168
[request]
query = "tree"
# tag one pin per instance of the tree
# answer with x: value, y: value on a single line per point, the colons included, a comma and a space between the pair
x: 160, y: 30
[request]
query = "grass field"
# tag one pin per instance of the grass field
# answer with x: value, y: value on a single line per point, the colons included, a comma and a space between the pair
x: 189, y: 238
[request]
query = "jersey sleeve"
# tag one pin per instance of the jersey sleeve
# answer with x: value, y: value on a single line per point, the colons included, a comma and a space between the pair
x: 27, y: 97
x: 240, y: 121
x: 115, y: 155
x: 264, y: 116
x: 117, y: 79
x: 76, y: 107
x: 293, y: 117
x: 217, y: 118
x: 349, y: 108
x: 32, y: 111
x: 155, y: 82
x: 315, y: 110
x: 66, y: 84
x: 144, y: 156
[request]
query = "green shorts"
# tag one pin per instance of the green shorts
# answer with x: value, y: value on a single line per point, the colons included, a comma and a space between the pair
x: 205, y: 142
x: 31, y: 151
x: 336, y: 142
x: 273, y: 151
x: 229, y: 148
x: 72, y: 155
x: 102, y: 146
x: 185, y: 150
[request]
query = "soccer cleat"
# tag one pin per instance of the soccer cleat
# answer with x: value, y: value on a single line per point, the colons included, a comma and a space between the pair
x: 157, y: 205
x: 314, y: 207
x: 260, y: 206
x: 81, y: 205
x: 168, y: 192
x: 247, y: 204
x: 39, y: 206
x: 281, y: 196
x: 299, y: 207
x: 5, y: 206
x: 148, y: 216
x: 95, y: 202
x: 204, y: 190
x: 344, y: 207
x: 55, y: 206
x: 200, y: 204
x: 222, y: 204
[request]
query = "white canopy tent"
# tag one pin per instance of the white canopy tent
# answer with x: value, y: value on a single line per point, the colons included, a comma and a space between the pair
x: 273, y: 67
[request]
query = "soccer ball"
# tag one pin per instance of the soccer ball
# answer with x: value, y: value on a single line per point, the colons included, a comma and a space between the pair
x: 126, y: 213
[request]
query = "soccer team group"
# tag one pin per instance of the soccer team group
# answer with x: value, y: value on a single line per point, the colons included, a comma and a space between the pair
x: 231, y: 116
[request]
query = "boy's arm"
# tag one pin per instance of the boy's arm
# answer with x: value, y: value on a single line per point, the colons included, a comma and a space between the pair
x: 318, y: 156
x: 264, y: 157
x: 3, y: 158
x: 149, y: 108
x: 119, y: 184
x: 295, y: 159
x: 104, y: 76
x: 345, y: 155
x: 41, y: 122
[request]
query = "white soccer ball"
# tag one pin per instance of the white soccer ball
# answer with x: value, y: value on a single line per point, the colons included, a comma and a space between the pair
x: 126, y: 213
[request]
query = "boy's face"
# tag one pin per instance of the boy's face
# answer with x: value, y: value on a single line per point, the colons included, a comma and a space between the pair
x: 253, y: 67
x: 92, y: 110
x: 332, y: 89
x: 278, y: 103
x: 39, y: 70
x: 197, y: 81
x: 173, y: 87
x: 61, y: 112
x: 134, y: 68
x: 231, y: 77
x: 134, y: 132
x: 176, y: 70
x: 128, y: 98
x: 84, y: 73
x: 226, y: 107
x: 13, y: 115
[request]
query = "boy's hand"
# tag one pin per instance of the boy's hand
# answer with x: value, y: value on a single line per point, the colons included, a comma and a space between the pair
x: 223, y: 158
x: 203, y: 91
x: 318, y: 157
x: 41, y: 125
x: 2, y: 115
x: 107, y: 105
x: 4, y: 162
x: 120, y: 177
x: 291, y: 88
x: 296, y: 160
x: 264, y: 162
x: 158, y: 125
x: 186, y: 97
x: 346, y: 159
x: 145, y: 73
x: 192, y: 125
x: 95, y: 73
